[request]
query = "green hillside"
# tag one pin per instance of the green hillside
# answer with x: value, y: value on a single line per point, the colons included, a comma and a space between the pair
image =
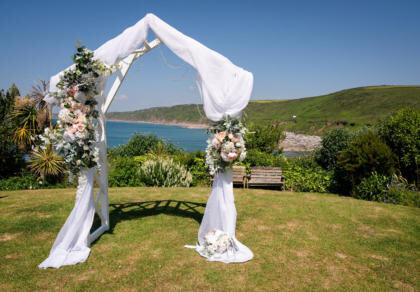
x: 315, y: 115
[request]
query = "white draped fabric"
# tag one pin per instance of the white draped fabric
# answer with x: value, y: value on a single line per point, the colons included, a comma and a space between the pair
x: 220, y: 214
x: 71, y: 245
x: 224, y: 87
x: 225, y: 90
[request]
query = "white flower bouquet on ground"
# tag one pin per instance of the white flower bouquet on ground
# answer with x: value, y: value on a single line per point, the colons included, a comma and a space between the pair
x: 217, y: 242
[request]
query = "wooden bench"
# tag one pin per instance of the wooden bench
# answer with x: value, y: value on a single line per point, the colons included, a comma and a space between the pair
x: 263, y: 176
x: 239, y: 176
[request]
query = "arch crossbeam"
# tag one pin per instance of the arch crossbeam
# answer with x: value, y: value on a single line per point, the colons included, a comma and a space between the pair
x: 123, y: 67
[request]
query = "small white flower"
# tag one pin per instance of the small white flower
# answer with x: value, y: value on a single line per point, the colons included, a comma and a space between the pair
x: 64, y: 115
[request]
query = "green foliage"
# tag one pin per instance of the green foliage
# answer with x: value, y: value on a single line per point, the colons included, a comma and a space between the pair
x: 372, y: 187
x: 332, y: 144
x: 26, y: 182
x: 199, y: 172
x: 165, y: 173
x: 29, y: 181
x: 365, y: 154
x: 195, y: 162
x: 257, y: 158
x: 401, y: 132
x: 399, y: 191
x: 306, y: 161
x: 263, y: 138
x: 141, y: 144
x: 124, y: 172
x: 11, y: 157
x: 303, y: 174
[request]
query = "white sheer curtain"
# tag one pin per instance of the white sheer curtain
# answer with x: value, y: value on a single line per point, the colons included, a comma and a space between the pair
x: 220, y: 214
x: 71, y: 245
x: 225, y: 89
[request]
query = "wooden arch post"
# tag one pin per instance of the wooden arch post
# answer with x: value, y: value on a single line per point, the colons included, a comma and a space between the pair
x: 101, y: 177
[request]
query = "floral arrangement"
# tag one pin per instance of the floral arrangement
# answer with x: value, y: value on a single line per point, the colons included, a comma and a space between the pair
x: 217, y: 242
x: 75, y: 135
x: 226, y: 145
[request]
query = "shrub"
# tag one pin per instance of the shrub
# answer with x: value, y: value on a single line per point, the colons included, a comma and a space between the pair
x: 28, y: 181
x: 263, y: 138
x: 124, y: 172
x: 305, y: 161
x: 371, y: 188
x: 258, y: 158
x: 398, y: 191
x: 141, y: 144
x: 331, y: 145
x: 364, y: 155
x: 301, y: 179
x: 200, y: 173
x: 195, y: 163
x: 165, y: 173
x: 401, y: 133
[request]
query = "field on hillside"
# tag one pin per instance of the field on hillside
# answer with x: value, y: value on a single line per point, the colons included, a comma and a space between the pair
x: 301, y: 241
x: 351, y: 108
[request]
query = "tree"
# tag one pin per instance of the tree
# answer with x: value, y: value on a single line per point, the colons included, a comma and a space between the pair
x: 332, y: 144
x: 263, y: 138
x: 401, y: 132
x: 365, y: 154
x: 11, y: 157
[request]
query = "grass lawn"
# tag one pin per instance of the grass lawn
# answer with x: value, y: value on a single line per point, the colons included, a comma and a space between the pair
x: 300, y: 241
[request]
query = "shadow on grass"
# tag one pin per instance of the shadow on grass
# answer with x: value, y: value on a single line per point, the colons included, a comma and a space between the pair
x: 136, y: 210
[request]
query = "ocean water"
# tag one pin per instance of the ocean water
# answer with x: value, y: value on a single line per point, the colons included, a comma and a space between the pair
x: 118, y: 133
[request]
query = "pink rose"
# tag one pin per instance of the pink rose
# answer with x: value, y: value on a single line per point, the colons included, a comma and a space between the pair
x: 216, y: 143
x: 75, y: 120
x: 221, y: 136
x: 73, y: 90
x: 80, y: 127
x: 232, y: 156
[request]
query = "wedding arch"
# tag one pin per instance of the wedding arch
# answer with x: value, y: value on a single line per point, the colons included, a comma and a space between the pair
x: 225, y: 90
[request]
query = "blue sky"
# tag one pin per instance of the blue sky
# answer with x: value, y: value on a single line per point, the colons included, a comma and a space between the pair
x: 293, y: 48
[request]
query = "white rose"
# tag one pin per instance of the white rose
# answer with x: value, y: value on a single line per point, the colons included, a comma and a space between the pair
x: 80, y: 95
x: 64, y: 115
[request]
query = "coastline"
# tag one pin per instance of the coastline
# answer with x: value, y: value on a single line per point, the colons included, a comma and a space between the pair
x: 293, y: 143
x: 300, y: 142
x: 187, y: 125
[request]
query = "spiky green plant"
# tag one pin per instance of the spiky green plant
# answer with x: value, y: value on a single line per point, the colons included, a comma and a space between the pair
x: 45, y: 162
x: 25, y: 115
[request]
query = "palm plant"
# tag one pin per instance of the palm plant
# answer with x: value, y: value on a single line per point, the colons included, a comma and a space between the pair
x: 38, y: 93
x: 45, y: 162
x: 25, y: 116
